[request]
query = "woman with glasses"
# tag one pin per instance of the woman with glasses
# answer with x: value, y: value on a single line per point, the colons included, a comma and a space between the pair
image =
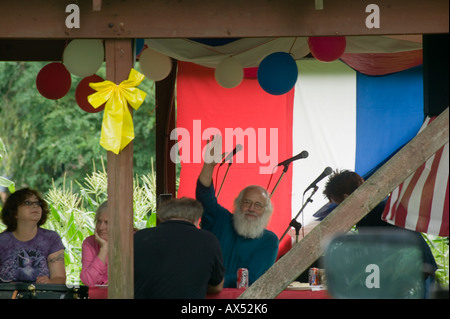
x: 28, y: 252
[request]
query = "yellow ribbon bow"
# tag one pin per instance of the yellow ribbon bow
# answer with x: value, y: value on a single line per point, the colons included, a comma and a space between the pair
x: 117, y: 126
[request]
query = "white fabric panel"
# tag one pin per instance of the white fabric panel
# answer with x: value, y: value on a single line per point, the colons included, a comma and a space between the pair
x: 324, y: 125
x: 250, y: 51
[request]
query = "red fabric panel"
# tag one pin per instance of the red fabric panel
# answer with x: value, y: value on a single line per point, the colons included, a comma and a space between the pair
x: 204, y: 104
x: 383, y: 63
x: 427, y: 196
x: 234, y: 293
x: 402, y: 210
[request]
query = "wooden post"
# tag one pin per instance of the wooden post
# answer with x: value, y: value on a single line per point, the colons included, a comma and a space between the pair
x: 351, y: 210
x: 435, y: 73
x: 119, y: 61
x: 165, y: 123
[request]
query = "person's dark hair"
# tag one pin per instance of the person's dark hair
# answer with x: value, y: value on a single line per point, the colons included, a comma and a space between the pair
x: 342, y: 183
x: 180, y: 208
x: 10, y: 208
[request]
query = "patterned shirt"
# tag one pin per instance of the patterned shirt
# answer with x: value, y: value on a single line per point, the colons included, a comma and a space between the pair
x: 24, y: 261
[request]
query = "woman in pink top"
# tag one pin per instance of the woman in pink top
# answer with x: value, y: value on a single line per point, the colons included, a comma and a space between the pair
x: 94, y: 252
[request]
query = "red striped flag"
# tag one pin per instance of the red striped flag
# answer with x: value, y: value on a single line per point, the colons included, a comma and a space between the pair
x: 420, y: 203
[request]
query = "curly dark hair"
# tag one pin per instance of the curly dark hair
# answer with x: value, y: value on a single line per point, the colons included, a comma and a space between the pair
x: 342, y: 183
x: 10, y: 208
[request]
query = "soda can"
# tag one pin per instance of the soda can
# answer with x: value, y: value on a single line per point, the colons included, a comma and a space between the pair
x: 242, y: 278
x: 314, y: 277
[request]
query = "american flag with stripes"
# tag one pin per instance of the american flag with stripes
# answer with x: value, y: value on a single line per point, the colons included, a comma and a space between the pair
x: 420, y: 203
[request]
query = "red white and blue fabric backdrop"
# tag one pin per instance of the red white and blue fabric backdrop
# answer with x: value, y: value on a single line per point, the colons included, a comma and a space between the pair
x: 343, y: 118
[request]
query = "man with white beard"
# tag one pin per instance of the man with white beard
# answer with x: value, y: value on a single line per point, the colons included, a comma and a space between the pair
x: 243, y: 237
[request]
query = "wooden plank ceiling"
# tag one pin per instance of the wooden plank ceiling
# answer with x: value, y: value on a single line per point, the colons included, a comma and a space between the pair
x: 35, y: 30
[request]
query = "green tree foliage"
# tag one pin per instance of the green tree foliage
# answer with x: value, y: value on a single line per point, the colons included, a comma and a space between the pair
x: 5, y: 184
x: 49, y: 139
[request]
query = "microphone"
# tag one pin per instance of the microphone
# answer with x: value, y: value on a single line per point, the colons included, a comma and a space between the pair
x: 303, y: 154
x: 327, y: 171
x: 230, y: 155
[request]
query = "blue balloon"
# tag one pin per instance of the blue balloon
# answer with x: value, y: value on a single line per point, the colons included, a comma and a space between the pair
x: 139, y: 43
x: 277, y: 73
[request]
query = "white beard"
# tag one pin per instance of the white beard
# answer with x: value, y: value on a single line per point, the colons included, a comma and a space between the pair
x: 250, y: 228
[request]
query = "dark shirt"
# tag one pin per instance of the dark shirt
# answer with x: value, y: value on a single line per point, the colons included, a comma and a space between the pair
x: 176, y: 260
x: 373, y: 219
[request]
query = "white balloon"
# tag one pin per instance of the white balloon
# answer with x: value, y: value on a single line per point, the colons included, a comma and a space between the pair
x: 83, y: 57
x: 229, y: 73
x: 154, y: 65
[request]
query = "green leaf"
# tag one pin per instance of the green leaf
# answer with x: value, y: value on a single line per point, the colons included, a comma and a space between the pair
x: 6, y: 182
x: 55, y: 213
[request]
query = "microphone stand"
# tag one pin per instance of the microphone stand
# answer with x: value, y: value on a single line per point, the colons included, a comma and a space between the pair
x: 225, y: 176
x: 294, y: 223
x: 279, y: 179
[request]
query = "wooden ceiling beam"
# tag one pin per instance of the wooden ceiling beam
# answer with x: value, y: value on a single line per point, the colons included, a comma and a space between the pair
x: 96, y: 5
x: 36, y: 19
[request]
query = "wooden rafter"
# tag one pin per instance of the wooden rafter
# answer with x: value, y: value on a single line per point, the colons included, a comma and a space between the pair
x: 36, y: 19
x: 96, y: 5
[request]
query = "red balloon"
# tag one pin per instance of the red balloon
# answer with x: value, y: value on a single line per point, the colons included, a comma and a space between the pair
x: 53, y: 81
x: 84, y: 90
x: 327, y: 49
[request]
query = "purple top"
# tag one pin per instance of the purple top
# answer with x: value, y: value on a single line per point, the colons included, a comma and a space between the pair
x: 24, y: 261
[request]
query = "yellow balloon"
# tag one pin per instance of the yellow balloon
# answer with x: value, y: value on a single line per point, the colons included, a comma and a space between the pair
x: 229, y: 73
x: 154, y: 65
x: 83, y: 57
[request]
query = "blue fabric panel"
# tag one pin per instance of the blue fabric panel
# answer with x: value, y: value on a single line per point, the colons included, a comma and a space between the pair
x: 389, y: 113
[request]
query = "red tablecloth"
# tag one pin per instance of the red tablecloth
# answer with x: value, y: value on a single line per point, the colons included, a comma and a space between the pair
x: 233, y: 293
x: 98, y: 292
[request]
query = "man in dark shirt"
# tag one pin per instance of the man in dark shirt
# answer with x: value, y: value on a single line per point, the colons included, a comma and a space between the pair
x: 175, y: 259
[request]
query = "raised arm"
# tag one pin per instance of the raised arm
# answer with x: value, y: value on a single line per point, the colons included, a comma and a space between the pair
x: 211, y: 159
